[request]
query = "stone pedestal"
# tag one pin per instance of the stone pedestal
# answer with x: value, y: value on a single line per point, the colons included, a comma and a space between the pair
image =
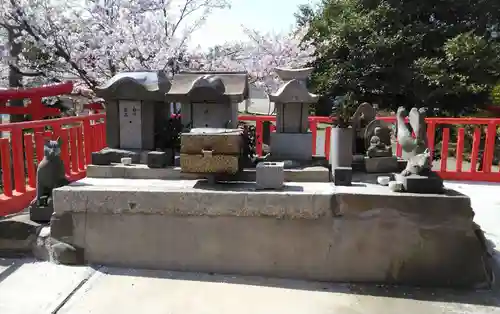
x: 342, y: 176
x: 43, y: 212
x: 108, y: 155
x: 295, y: 146
x: 270, y: 175
x: 305, y: 231
x: 381, y: 164
x: 421, y: 184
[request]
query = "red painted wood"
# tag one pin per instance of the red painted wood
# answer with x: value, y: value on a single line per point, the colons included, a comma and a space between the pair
x: 476, y: 139
x: 444, y: 150
x: 6, y: 168
x: 460, y: 149
x: 30, y: 163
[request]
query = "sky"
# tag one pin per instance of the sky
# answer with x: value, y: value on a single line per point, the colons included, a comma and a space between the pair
x: 262, y: 15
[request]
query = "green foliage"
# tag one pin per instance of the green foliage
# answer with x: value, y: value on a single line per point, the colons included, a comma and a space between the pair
x: 495, y: 95
x: 438, y: 54
x: 343, y: 109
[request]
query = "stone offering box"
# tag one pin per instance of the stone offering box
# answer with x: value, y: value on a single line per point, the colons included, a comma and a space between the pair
x: 211, y: 151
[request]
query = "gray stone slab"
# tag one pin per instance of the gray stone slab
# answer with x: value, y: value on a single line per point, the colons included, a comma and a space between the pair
x: 192, y: 293
x: 421, y: 184
x: 381, y: 164
x: 38, y: 287
x: 233, y: 228
x: 139, y: 171
x: 305, y: 200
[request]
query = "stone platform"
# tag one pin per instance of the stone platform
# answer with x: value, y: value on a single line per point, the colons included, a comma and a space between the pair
x: 312, y: 231
x: 140, y: 171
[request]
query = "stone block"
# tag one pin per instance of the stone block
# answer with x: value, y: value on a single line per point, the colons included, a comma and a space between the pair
x: 270, y: 175
x: 342, y: 176
x: 381, y: 164
x: 100, y: 159
x: 157, y: 160
x: 432, y: 184
x: 41, y: 214
x: 112, y: 155
x: 296, y: 146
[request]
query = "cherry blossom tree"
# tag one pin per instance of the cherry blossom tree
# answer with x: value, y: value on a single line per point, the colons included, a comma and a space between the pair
x: 95, y: 39
x: 259, y: 55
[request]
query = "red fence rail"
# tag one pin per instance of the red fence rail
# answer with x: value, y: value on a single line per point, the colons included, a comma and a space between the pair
x: 22, y: 149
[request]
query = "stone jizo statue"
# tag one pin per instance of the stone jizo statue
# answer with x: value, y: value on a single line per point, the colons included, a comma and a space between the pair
x: 377, y: 147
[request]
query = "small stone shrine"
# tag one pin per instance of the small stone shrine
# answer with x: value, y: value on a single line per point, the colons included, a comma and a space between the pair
x: 133, y: 99
x: 210, y: 99
x: 292, y: 141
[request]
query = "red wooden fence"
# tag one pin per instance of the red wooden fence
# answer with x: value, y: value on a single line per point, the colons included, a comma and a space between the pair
x: 21, y: 151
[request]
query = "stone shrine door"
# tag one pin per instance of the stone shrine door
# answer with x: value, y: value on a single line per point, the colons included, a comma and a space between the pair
x: 130, y: 124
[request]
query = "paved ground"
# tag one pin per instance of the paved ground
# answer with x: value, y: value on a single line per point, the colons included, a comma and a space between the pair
x: 28, y: 287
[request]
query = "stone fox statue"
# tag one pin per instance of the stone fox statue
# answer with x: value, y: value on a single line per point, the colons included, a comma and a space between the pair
x: 50, y: 173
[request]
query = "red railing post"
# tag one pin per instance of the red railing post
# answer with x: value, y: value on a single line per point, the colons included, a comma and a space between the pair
x: 5, y: 166
x: 444, y: 150
x: 18, y: 159
x: 87, y: 138
x: 489, y: 146
x: 81, y: 154
x: 30, y: 164
x: 476, y: 139
x: 460, y: 149
x: 328, y: 136
x: 73, y: 150
x: 431, y: 137
x: 258, y: 136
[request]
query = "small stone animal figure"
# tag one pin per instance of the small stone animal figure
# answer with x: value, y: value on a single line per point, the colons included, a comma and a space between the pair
x: 50, y: 173
x: 418, y: 165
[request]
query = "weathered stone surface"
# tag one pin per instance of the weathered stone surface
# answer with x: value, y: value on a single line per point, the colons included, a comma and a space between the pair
x: 17, y: 235
x: 270, y: 175
x: 421, y: 184
x: 381, y: 164
x: 282, y: 147
x: 157, y: 160
x: 342, y: 176
x: 313, y: 231
x: 229, y: 164
x: 117, y: 171
x: 66, y: 254
x: 113, y: 155
x: 220, y: 141
x: 113, y: 196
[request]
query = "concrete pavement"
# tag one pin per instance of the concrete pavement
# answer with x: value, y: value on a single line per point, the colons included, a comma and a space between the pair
x: 41, y: 287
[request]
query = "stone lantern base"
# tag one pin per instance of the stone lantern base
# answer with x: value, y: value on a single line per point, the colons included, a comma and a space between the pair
x: 294, y: 146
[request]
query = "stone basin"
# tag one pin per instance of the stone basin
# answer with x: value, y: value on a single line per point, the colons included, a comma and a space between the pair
x: 312, y: 231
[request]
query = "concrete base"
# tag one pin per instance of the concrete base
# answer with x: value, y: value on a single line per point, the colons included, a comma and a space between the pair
x: 381, y: 164
x: 119, y: 171
x: 312, y: 231
x: 296, y: 146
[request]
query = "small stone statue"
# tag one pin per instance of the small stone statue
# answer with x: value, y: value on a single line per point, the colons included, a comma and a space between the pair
x: 377, y: 147
x: 411, y: 146
x: 50, y: 174
x: 418, y: 165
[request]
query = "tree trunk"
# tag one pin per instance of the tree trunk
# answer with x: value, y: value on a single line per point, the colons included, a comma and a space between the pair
x: 15, y: 78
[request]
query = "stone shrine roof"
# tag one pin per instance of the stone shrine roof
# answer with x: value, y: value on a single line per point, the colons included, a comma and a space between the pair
x: 144, y: 85
x: 212, y: 87
x: 293, y: 92
x: 288, y: 74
